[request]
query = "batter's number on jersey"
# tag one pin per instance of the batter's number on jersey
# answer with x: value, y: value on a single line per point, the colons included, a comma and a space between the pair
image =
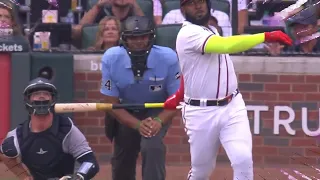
x: 108, y: 84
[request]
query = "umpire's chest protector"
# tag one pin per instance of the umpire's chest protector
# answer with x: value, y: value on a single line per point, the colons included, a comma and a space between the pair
x: 43, y: 152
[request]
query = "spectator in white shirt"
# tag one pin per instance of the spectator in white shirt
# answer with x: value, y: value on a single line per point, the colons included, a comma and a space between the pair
x: 175, y: 17
x: 242, y: 13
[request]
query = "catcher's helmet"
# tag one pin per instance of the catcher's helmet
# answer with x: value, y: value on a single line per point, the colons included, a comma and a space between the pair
x: 138, y: 26
x: 41, y: 106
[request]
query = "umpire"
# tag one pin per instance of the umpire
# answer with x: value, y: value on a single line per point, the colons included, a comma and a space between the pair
x: 47, y: 144
x: 138, y: 72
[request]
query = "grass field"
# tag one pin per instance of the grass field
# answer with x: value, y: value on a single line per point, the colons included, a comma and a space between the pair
x: 223, y: 172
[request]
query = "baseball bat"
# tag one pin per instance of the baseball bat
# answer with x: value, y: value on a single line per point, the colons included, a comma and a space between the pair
x: 86, y: 107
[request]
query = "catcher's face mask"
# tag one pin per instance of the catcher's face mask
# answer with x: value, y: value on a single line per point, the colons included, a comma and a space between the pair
x: 302, y: 25
x: 40, y: 102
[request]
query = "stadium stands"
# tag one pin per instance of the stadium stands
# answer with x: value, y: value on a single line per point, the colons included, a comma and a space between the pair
x: 163, y: 38
x: 88, y: 36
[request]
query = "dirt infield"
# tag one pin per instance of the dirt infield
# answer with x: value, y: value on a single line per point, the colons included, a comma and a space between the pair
x: 223, y: 172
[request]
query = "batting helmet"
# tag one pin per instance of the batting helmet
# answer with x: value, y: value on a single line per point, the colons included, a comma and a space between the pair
x: 41, y: 106
x: 138, y: 26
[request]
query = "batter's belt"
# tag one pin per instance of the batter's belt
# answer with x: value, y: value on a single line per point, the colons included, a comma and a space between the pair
x: 221, y: 102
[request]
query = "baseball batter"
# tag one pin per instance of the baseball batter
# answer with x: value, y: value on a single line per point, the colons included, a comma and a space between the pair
x: 214, y: 111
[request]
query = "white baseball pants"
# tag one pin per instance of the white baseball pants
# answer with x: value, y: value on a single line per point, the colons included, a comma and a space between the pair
x: 207, y: 127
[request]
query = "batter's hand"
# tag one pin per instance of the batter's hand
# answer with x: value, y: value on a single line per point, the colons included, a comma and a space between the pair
x: 277, y: 37
x: 174, y: 100
x: 145, y: 127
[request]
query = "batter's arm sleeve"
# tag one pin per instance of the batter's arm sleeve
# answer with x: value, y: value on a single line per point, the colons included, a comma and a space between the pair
x: 75, y: 143
x: 174, y: 73
x: 108, y: 86
x: 232, y: 44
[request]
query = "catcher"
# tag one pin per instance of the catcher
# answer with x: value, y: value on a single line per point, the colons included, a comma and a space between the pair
x: 47, y: 144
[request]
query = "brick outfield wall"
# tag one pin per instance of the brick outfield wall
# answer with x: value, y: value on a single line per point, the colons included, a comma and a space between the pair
x: 295, y: 91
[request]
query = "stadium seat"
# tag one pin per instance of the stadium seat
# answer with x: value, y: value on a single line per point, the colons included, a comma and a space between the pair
x: 90, y: 4
x: 221, y: 5
x: 166, y: 35
x: 88, y: 36
x: 147, y: 7
x: 169, y: 5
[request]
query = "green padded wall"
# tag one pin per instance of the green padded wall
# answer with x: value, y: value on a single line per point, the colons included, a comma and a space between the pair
x: 62, y: 66
x: 20, y: 77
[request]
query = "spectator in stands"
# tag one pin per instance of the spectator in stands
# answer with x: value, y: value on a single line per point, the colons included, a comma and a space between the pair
x: 157, y: 12
x: 274, y: 48
x: 219, y: 20
x: 214, y: 22
x: 108, y: 34
x: 309, y: 46
x: 242, y: 15
x: 306, y: 47
x: 8, y: 19
x: 301, y: 26
x: 121, y: 9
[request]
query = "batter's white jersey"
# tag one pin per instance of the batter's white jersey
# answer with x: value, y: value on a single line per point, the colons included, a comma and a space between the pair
x: 206, y: 76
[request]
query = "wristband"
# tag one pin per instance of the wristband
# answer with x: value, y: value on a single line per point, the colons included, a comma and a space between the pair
x: 158, y: 119
x: 138, y: 125
x: 80, y: 176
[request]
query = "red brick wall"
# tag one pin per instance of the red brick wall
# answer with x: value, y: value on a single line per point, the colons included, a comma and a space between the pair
x: 295, y: 91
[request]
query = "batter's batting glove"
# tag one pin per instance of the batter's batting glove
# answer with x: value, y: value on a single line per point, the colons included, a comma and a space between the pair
x: 174, y: 100
x: 277, y: 37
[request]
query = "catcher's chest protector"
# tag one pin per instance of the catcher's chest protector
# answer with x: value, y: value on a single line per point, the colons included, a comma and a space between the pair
x: 42, y: 152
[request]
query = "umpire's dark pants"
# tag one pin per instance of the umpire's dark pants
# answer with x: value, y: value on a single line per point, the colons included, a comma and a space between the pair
x: 128, y: 143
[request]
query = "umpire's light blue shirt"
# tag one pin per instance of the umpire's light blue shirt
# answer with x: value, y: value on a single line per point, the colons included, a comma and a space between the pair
x: 159, y: 81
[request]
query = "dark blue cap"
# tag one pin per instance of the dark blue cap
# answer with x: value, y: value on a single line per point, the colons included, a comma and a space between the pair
x: 308, y: 15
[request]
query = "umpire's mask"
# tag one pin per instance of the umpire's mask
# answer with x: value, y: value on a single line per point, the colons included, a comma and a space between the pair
x: 302, y: 26
x: 40, y: 97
